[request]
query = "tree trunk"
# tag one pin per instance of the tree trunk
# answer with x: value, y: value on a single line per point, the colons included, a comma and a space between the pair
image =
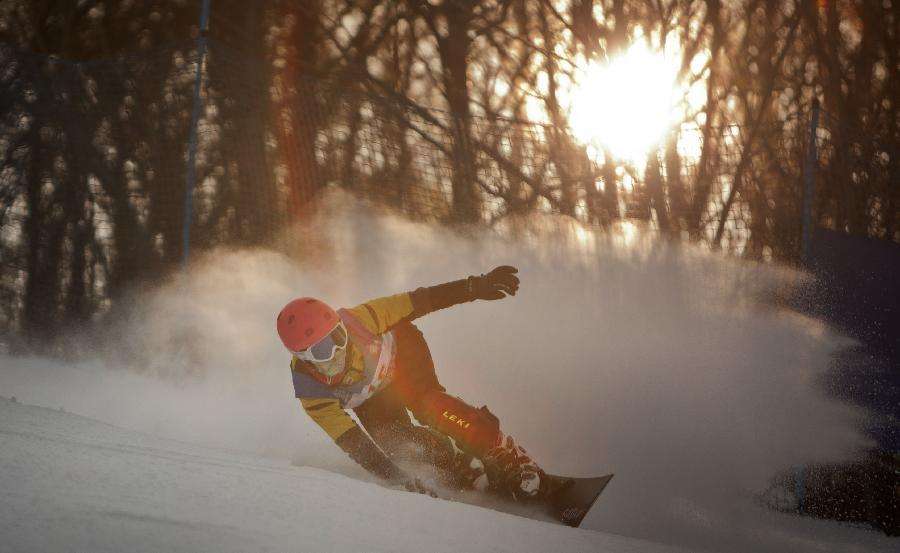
x: 656, y: 193
x: 454, y: 50
x: 242, y: 82
x: 297, y: 117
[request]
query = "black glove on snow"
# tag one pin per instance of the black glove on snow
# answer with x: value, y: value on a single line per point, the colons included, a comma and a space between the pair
x: 413, y: 484
x: 495, y: 285
x: 361, y: 449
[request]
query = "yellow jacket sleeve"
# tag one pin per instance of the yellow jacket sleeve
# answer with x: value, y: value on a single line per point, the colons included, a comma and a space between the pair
x: 380, y: 314
x: 328, y: 414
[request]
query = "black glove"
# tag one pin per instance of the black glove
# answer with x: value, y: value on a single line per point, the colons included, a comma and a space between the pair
x: 495, y: 285
x: 361, y: 449
x: 492, y: 286
x: 413, y: 484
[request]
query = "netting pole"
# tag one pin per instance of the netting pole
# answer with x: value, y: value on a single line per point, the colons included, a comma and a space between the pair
x: 800, y: 488
x: 809, y: 183
x: 192, y: 141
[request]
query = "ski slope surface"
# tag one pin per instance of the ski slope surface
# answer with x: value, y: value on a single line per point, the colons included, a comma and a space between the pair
x: 674, y: 377
x: 70, y: 483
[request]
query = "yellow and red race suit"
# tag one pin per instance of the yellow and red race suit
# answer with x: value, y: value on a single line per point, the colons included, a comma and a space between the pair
x: 326, y: 404
x: 388, y: 356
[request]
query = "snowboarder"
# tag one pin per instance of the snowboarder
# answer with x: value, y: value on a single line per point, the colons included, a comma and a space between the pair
x: 373, y: 360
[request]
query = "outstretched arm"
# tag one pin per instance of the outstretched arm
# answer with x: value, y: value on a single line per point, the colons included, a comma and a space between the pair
x: 495, y: 285
x: 381, y: 314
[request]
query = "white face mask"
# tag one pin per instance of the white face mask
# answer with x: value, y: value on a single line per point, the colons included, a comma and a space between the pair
x: 334, y: 366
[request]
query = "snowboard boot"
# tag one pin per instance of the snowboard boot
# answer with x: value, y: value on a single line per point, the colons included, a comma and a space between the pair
x: 511, y: 471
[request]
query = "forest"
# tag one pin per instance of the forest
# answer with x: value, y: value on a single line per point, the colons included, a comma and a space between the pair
x: 135, y: 132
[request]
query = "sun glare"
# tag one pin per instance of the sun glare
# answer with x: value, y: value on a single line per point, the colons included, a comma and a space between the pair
x: 627, y: 105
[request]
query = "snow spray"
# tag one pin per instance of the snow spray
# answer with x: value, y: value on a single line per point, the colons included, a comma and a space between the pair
x: 620, y: 353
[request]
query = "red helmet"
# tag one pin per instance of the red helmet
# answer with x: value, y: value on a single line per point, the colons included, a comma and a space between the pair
x: 305, y: 321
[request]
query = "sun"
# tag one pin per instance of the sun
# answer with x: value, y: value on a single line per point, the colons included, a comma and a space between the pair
x: 627, y: 105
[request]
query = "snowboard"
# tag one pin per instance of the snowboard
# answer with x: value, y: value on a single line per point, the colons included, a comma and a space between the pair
x: 567, y: 501
x: 570, y: 499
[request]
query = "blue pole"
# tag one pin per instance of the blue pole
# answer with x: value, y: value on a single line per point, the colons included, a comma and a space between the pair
x: 192, y: 140
x: 809, y: 184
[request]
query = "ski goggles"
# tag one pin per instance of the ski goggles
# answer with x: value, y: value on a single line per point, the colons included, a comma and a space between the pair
x: 324, y: 350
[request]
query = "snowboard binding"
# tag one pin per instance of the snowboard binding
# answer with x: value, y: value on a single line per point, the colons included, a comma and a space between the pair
x: 511, y: 471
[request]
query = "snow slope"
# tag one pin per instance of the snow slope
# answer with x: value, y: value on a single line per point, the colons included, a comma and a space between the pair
x: 675, y: 376
x: 70, y: 483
